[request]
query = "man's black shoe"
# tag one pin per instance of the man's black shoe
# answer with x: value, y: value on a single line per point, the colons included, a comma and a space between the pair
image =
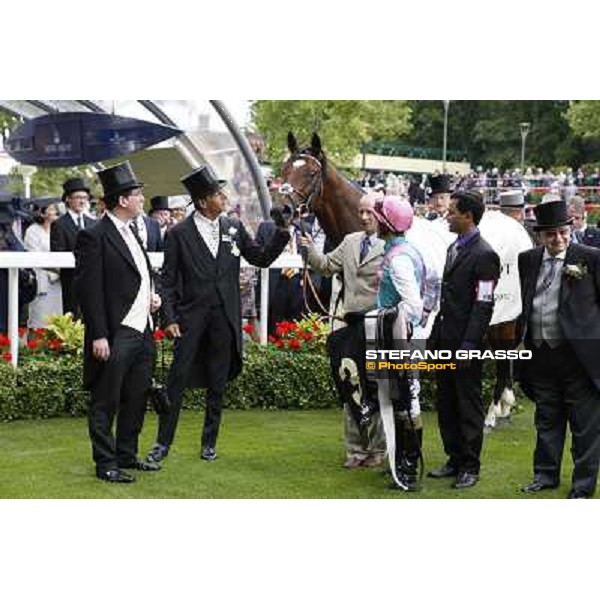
x: 578, y: 495
x: 445, y: 470
x: 465, y: 480
x: 142, y: 465
x: 537, y: 486
x: 208, y: 454
x: 115, y: 476
x: 157, y: 453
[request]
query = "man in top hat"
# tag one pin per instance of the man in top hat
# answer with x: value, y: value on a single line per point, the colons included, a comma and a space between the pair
x: 470, y: 276
x: 160, y: 211
x: 114, y: 282
x: 202, y: 309
x: 582, y: 233
x: 439, y: 201
x: 63, y: 233
x: 560, y: 324
x: 148, y: 232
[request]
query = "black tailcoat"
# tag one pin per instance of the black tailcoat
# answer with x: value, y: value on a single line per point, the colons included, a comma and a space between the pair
x: 193, y: 280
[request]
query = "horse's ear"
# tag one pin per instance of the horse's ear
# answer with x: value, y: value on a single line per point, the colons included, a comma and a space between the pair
x: 292, y: 143
x: 315, y: 144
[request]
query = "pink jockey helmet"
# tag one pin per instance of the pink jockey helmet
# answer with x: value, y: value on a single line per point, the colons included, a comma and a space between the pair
x: 394, y: 212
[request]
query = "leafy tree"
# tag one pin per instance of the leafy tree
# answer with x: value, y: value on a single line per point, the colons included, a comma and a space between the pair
x: 487, y: 131
x: 584, y: 118
x: 344, y: 125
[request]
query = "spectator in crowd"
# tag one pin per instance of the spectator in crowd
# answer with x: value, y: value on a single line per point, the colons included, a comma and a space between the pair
x: 581, y: 232
x: 63, y: 234
x: 439, y: 200
x: 148, y: 232
x: 160, y: 211
x: 178, y: 209
x: 8, y: 243
x: 48, y: 300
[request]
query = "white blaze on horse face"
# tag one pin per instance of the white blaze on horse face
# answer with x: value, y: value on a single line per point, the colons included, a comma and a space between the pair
x: 298, y: 163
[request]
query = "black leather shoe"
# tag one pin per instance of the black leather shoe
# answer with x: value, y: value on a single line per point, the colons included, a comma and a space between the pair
x: 208, y: 453
x: 578, y: 495
x: 115, y: 476
x: 157, y: 453
x: 142, y: 465
x: 465, y: 480
x: 537, y: 486
x: 445, y: 470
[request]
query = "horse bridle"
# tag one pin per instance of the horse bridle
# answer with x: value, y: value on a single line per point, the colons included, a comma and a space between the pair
x: 287, y: 189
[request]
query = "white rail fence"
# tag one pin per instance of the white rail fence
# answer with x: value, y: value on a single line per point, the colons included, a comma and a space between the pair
x: 13, y: 261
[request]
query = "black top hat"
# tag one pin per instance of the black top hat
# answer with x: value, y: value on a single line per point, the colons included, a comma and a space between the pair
x: 440, y: 184
x: 118, y: 179
x: 551, y: 214
x: 159, y: 203
x: 75, y: 184
x: 202, y: 183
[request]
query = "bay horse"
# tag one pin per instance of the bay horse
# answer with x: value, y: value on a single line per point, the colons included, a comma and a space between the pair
x: 314, y: 185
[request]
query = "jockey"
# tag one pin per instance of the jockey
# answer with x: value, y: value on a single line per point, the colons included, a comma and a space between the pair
x: 402, y: 291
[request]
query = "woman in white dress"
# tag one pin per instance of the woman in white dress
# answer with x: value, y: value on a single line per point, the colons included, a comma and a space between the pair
x: 49, y: 297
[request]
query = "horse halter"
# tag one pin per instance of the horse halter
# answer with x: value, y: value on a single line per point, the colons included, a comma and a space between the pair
x: 287, y: 189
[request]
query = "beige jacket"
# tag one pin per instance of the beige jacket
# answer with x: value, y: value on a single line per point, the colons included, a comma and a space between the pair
x: 361, y: 279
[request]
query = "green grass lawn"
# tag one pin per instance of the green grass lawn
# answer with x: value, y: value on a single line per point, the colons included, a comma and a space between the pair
x: 261, y: 455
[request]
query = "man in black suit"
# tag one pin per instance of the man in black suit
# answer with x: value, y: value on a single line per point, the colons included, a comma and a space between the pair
x: 114, y: 282
x: 161, y: 213
x: 148, y: 232
x: 582, y: 233
x: 560, y: 324
x: 202, y: 311
x: 63, y: 233
x: 470, y: 275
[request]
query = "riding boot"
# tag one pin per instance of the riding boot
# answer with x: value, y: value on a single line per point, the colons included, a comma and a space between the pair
x: 400, y: 450
x: 409, y: 469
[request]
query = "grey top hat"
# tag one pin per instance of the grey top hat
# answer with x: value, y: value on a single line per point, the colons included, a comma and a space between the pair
x: 512, y: 199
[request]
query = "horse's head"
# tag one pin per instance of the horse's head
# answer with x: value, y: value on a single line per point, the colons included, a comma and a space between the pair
x: 303, y: 173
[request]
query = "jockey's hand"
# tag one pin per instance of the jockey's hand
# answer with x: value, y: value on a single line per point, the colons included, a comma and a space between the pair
x: 155, y: 303
x: 305, y: 241
x: 173, y: 330
x: 101, y: 349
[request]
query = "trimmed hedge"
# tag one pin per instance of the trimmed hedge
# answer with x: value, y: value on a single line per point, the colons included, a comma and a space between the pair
x: 270, y: 380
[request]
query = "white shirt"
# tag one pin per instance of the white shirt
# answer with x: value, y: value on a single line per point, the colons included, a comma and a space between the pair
x: 138, y: 316
x: 209, y: 231
x: 142, y: 231
x: 76, y: 219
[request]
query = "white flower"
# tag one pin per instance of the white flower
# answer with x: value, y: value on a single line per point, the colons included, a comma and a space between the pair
x: 232, y: 231
x: 234, y: 249
x: 575, y: 271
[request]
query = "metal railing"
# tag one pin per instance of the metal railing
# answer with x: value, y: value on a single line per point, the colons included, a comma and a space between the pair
x: 13, y: 261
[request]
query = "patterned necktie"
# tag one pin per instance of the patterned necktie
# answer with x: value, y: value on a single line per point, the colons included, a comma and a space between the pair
x: 551, y: 264
x: 134, y: 227
x: 365, y: 246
